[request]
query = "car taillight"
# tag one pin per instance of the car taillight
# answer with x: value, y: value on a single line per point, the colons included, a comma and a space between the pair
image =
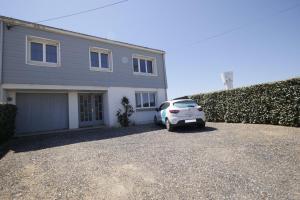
x: 200, y: 109
x: 174, y: 111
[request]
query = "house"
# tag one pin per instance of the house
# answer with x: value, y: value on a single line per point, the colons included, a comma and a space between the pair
x: 61, y: 79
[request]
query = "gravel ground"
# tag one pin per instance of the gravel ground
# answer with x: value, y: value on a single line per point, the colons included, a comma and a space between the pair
x: 222, y: 161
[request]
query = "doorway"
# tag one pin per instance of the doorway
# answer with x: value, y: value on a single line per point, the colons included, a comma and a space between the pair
x: 90, y: 110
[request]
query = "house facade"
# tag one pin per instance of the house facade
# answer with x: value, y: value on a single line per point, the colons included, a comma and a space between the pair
x: 66, y: 80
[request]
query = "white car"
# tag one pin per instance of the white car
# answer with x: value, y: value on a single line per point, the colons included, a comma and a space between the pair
x: 179, y: 113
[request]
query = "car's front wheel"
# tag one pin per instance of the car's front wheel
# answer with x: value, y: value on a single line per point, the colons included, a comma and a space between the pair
x: 169, y: 126
x: 201, y: 125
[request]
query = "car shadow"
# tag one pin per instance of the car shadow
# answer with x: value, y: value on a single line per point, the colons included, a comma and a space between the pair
x: 38, y: 142
x: 194, y: 129
x: 4, y: 148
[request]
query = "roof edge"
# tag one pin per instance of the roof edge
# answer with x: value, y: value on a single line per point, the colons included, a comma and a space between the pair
x: 18, y: 22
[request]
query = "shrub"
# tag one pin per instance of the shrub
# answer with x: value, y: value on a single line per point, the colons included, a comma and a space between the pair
x: 7, y: 121
x: 275, y: 103
x: 123, y: 117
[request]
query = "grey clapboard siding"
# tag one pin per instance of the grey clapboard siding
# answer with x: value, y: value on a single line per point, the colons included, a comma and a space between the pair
x: 74, y: 68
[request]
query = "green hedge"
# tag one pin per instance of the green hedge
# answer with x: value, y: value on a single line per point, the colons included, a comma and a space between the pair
x: 273, y: 103
x: 7, y: 121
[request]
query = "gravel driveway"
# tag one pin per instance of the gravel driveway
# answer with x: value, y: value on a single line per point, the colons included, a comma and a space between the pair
x: 222, y: 161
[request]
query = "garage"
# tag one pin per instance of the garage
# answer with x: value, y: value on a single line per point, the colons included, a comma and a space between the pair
x: 41, y: 112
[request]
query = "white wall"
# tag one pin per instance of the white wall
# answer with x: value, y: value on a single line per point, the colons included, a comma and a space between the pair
x: 114, y: 96
x: 73, y: 110
x: 111, y: 104
x: 10, y: 94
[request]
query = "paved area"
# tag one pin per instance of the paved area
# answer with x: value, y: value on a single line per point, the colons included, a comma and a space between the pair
x: 222, y: 161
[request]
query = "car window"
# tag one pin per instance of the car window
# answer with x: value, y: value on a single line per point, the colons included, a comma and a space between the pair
x: 185, y: 104
x: 161, y: 106
x: 165, y: 106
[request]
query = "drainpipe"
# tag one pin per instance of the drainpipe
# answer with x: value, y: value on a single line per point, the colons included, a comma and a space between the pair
x: 165, y: 74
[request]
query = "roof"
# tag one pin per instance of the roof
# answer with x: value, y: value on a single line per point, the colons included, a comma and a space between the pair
x: 18, y: 22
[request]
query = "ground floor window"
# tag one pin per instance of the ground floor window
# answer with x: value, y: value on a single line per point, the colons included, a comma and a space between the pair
x: 145, y: 99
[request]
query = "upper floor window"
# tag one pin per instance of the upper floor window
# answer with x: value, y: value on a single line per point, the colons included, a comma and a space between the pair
x: 43, y: 52
x: 100, y: 59
x: 144, y: 65
x: 145, y: 99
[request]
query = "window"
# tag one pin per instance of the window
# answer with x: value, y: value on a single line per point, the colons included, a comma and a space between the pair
x: 51, y: 53
x: 164, y: 106
x: 36, y: 51
x: 152, y: 99
x: 138, y: 100
x: 94, y: 59
x: 145, y: 99
x: 100, y: 59
x: 104, y: 60
x: 149, y: 66
x: 143, y: 65
x: 185, y: 104
x: 43, y: 52
x: 135, y: 65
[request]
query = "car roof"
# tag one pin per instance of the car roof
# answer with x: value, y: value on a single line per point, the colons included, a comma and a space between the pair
x: 178, y: 100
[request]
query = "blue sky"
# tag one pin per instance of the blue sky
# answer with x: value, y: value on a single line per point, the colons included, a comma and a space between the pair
x: 268, y: 49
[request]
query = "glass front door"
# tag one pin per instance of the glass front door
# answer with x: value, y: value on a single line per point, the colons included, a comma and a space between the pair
x: 90, y: 109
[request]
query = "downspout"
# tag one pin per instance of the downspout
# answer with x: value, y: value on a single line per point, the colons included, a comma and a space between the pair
x: 165, y: 75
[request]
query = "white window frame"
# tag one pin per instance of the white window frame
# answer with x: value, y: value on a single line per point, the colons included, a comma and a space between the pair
x: 99, y: 51
x: 44, y: 42
x: 141, y: 99
x: 146, y: 58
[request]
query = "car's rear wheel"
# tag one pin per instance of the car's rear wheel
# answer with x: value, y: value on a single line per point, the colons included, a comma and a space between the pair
x: 169, y: 126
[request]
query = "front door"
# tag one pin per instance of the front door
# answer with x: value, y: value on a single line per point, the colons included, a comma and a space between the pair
x: 90, y: 110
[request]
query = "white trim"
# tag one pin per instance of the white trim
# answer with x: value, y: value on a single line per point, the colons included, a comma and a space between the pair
x: 50, y: 87
x: 99, y: 51
x: 146, y: 58
x: 18, y: 22
x: 47, y: 91
x: 26, y: 91
x: 13, y: 96
x: 143, y: 57
x: 44, y: 42
x: 2, y: 95
x: 69, y: 87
